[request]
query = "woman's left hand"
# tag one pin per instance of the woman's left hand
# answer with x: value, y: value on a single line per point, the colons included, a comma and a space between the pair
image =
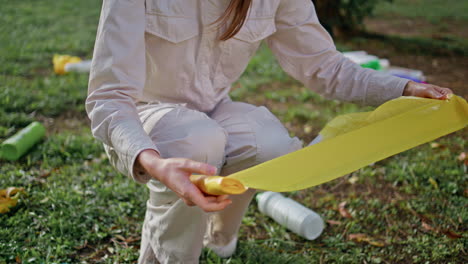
x: 426, y: 91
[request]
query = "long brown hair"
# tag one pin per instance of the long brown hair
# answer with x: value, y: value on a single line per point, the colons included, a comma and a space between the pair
x: 235, y: 15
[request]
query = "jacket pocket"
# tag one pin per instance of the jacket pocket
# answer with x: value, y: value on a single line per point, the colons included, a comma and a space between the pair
x: 238, y: 50
x: 172, y: 20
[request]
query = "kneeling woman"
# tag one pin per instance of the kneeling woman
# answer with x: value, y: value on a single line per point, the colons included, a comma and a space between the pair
x: 158, y: 100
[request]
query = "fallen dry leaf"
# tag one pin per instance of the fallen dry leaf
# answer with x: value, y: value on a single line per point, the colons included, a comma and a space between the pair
x: 451, y: 234
x: 365, y: 238
x: 353, y: 179
x: 426, y: 226
x: 85, y: 244
x: 44, y: 174
x: 6, y: 204
x: 376, y: 243
x: 437, y: 145
x: 463, y: 158
x: 333, y: 222
x: 120, y: 237
x: 9, y: 198
x: 343, y: 211
x: 132, y: 239
x: 357, y: 237
x: 122, y: 241
x: 307, y: 129
x: 111, y: 250
x: 434, y: 183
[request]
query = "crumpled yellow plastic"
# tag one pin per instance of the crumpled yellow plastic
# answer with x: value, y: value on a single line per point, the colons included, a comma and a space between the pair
x: 353, y: 141
x: 217, y: 185
x: 60, y: 61
x: 9, y: 198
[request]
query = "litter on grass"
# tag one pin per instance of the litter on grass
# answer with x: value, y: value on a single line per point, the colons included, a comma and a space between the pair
x: 9, y: 198
x: 67, y: 63
x: 16, y: 146
x: 383, y: 65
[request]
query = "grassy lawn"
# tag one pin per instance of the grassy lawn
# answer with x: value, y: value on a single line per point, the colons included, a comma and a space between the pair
x: 433, y: 10
x: 440, y: 24
x: 78, y: 209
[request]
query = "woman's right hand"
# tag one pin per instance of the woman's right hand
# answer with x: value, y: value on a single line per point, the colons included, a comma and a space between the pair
x: 175, y: 174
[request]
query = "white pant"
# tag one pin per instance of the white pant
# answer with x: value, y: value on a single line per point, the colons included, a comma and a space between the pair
x: 233, y: 137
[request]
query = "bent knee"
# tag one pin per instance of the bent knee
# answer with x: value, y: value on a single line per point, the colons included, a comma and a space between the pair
x: 275, y: 145
x: 186, y: 133
x: 205, y: 141
x: 273, y: 138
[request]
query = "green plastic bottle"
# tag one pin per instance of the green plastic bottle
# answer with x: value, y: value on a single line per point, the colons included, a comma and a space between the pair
x: 17, y: 145
x: 373, y: 64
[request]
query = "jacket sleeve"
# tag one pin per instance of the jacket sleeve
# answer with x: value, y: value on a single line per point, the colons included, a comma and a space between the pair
x: 306, y: 51
x: 117, y: 78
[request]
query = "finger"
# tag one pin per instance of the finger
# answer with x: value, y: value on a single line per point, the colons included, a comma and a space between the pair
x: 216, y: 206
x: 219, y: 198
x: 437, y: 92
x: 198, y: 167
x: 210, y: 199
x: 208, y: 204
x: 444, y: 91
x: 222, y: 198
x: 433, y: 92
x: 188, y: 202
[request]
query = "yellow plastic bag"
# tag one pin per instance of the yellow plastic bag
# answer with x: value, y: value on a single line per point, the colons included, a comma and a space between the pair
x: 355, y: 140
x: 217, y: 185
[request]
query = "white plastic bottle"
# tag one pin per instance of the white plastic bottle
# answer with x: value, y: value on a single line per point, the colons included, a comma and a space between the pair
x: 415, y: 75
x: 291, y: 214
x: 82, y: 66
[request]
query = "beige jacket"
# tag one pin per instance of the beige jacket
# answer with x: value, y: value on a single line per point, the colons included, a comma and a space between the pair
x: 168, y: 51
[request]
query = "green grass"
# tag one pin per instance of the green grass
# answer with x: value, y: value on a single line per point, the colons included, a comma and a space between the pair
x: 78, y: 209
x: 73, y: 196
x: 433, y: 10
x: 424, y: 27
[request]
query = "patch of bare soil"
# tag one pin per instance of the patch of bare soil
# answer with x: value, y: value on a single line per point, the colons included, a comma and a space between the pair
x: 445, y: 29
x: 447, y: 71
x: 67, y: 121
